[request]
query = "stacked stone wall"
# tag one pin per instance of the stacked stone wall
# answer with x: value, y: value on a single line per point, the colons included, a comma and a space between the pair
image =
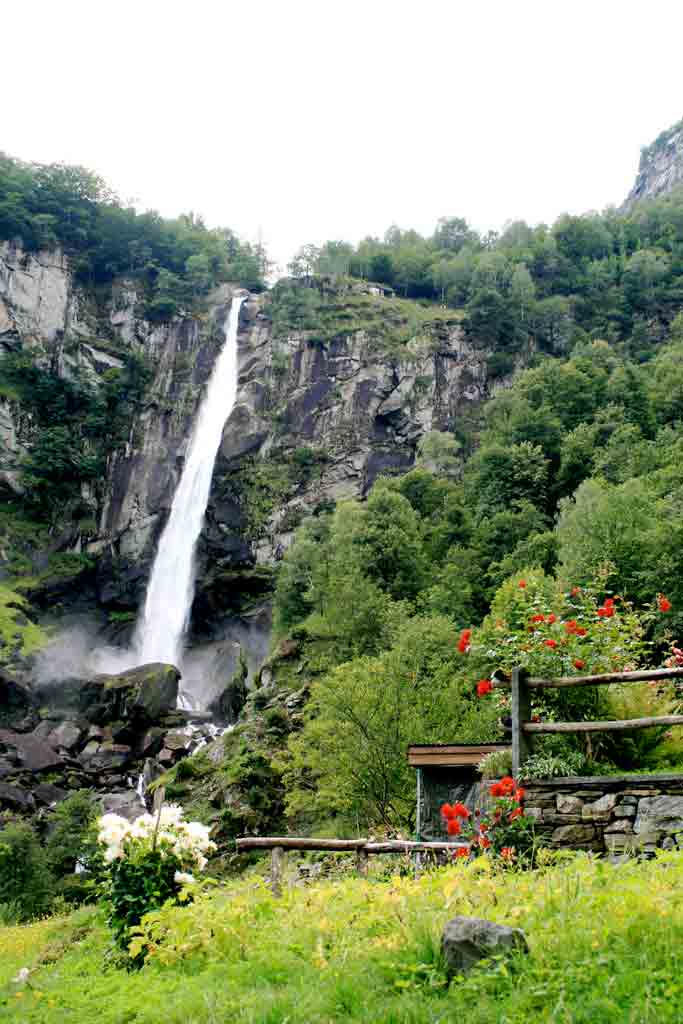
x: 608, y: 814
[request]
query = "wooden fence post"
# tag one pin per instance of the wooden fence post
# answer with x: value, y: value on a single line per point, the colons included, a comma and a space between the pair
x: 362, y: 862
x: 276, y: 864
x: 521, y: 713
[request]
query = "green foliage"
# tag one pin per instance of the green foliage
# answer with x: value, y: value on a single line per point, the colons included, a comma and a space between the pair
x: 551, y: 766
x: 349, y: 761
x: 496, y: 764
x: 17, y: 632
x: 605, y: 946
x: 72, y: 837
x: 177, y: 260
x: 26, y: 883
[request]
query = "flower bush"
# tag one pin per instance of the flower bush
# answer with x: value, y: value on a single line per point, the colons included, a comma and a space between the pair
x: 150, y: 861
x: 502, y: 831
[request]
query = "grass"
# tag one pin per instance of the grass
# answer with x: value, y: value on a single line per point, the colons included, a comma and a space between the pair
x: 16, y: 631
x: 605, y: 947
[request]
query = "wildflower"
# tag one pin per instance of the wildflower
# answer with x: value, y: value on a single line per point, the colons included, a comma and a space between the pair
x: 663, y: 603
x: 484, y: 842
x: 581, y: 631
x: 550, y: 643
x: 464, y: 641
x: 507, y: 784
x: 517, y: 813
x: 538, y: 618
x: 447, y: 812
x: 22, y: 976
x: 508, y: 853
x: 453, y: 827
x: 571, y: 625
x: 462, y: 851
x: 550, y: 619
x: 496, y: 789
x: 460, y: 811
x: 484, y: 686
x: 579, y: 663
x: 575, y: 590
x: 519, y: 794
x: 522, y: 584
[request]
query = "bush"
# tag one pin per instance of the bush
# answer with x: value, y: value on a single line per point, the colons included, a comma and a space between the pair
x: 26, y: 883
x: 72, y: 838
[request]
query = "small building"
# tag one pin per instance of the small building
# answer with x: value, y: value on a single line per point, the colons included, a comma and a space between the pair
x: 446, y: 773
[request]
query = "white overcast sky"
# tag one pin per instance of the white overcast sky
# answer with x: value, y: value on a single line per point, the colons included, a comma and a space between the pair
x: 311, y: 120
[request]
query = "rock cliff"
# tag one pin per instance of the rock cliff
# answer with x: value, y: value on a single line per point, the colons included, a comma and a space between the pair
x: 329, y: 398
x: 661, y: 167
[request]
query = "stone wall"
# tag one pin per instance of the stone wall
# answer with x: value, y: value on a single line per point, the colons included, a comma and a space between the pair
x: 615, y: 814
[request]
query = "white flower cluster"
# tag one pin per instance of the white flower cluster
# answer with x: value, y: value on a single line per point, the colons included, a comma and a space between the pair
x: 187, y: 840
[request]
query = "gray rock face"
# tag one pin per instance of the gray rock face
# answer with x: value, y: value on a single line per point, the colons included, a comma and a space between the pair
x: 661, y: 167
x: 659, y: 814
x: 468, y: 940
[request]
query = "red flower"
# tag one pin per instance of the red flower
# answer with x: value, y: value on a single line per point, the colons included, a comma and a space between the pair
x: 550, y: 643
x: 522, y: 584
x: 519, y: 794
x: 447, y: 811
x: 581, y: 631
x: 453, y: 827
x: 538, y: 618
x: 460, y: 811
x: 535, y: 718
x: 483, y: 827
x: 609, y: 602
x: 508, y: 852
x: 462, y: 851
x: 575, y: 591
x: 551, y: 618
x: 507, y: 785
x: 578, y: 663
x: 484, y: 686
x: 607, y: 610
x: 517, y: 813
x: 464, y: 641
x: 571, y: 626
x: 497, y: 789
x: 484, y: 842
x: 664, y: 603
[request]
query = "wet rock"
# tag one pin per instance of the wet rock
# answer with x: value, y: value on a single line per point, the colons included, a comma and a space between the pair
x: 139, y: 696
x: 468, y: 940
x: 151, y: 743
x: 17, y: 704
x: 127, y: 804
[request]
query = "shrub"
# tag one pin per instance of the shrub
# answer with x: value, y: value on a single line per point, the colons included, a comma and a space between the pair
x: 72, y: 839
x: 26, y: 884
x: 149, y: 862
x: 496, y: 764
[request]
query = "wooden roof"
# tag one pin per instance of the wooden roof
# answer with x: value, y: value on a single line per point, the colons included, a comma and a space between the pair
x: 446, y: 755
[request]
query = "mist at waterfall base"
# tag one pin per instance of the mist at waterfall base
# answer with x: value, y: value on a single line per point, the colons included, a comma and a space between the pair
x: 162, y: 624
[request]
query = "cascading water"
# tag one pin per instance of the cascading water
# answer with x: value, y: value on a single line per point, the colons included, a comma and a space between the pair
x: 164, y: 620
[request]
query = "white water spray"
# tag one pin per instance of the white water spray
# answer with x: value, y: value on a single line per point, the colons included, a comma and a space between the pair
x: 162, y: 625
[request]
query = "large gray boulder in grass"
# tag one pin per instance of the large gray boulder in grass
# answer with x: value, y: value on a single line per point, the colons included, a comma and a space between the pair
x: 140, y: 695
x: 467, y: 940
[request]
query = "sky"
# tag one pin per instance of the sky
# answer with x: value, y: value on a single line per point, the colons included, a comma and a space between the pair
x: 293, y: 121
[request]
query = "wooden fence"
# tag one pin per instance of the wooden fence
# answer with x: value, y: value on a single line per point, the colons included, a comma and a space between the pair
x: 523, y: 685
x: 363, y: 848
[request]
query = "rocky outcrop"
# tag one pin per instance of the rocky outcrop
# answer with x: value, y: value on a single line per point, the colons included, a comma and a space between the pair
x: 661, y: 167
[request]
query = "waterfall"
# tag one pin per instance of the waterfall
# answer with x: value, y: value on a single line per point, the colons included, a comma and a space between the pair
x: 161, y: 627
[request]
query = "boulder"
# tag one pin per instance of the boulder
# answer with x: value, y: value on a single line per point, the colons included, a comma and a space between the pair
x: 468, y: 940
x: 141, y: 695
x: 46, y: 794
x: 68, y: 735
x: 128, y: 804
x: 28, y: 752
x: 14, y: 798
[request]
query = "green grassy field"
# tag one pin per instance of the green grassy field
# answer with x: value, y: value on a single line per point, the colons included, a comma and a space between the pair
x: 606, y: 946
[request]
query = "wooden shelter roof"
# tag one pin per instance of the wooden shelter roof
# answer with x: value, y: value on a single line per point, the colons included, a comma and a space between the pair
x: 447, y: 755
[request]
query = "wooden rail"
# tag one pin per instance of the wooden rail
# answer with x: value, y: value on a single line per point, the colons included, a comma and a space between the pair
x: 363, y: 848
x: 521, y: 685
